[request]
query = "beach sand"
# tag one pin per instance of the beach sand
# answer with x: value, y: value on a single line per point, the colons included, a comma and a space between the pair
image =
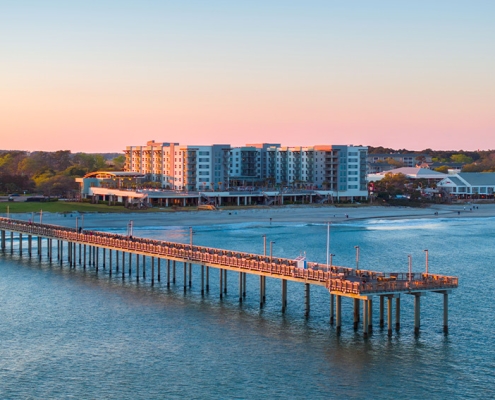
x: 276, y: 214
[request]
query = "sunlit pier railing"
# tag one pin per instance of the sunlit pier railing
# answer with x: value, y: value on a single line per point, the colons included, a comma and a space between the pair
x: 340, y: 281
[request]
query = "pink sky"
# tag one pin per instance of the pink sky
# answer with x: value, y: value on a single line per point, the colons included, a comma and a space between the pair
x: 393, y: 76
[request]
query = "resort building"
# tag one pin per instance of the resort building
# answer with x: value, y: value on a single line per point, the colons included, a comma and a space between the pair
x: 469, y: 185
x: 340, y: 169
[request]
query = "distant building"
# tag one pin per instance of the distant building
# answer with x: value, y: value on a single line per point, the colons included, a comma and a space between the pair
x: 469, y: 185
x: 410, y: 173
x: 378, y: 162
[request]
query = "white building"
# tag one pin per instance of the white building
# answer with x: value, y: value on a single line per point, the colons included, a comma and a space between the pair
x: 468, y: 185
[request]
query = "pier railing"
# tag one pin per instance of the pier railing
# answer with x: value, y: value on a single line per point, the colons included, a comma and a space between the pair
x: 335, y: 278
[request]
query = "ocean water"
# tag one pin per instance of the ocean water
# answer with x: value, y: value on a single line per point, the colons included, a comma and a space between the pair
x: 75, y: 333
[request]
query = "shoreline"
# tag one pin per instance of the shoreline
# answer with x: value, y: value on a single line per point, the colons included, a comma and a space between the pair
x: 286, y: 214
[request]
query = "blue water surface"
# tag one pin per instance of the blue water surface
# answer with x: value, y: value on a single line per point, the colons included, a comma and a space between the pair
x: 75, y: 333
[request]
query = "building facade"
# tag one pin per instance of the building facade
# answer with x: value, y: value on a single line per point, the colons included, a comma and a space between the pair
x: 469, y: 185
x: 341, y: 169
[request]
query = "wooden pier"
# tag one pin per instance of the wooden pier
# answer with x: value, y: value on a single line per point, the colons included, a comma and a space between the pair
x: 83, y: 247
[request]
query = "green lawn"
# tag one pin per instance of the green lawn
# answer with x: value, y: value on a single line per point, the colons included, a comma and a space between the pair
x: 63, y: 207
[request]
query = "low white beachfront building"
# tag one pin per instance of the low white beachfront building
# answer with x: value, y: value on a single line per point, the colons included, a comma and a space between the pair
x: 469, y: 185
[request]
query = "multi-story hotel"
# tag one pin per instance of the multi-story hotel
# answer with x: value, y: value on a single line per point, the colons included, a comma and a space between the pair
x: 338, y: 168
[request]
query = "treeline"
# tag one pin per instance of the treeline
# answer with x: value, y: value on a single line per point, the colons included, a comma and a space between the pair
x: 50, y: 173
x: 472, y: 161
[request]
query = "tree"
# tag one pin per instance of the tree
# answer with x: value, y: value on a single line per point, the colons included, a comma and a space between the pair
x: 393, y: 162
x: 119, y: 162
x: 391, y: 185
x: 443, y: 169
x: 461, y: 158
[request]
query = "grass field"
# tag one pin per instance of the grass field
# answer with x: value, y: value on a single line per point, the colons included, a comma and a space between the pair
x: 63, y: 207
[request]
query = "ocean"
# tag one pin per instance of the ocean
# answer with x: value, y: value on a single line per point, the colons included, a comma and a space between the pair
x: 74, y: 333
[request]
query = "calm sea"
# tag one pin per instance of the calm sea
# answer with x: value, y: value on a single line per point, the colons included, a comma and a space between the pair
x: 73, y: 333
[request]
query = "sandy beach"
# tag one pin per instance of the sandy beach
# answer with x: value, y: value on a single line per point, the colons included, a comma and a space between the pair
x: 276, y: 214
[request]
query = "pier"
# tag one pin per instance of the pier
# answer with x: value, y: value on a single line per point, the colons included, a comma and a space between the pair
x: 119, y: 252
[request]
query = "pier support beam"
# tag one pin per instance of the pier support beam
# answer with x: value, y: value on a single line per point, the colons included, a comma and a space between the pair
x: 446, y: 311
x: 262, y: 290
x: 202, y: 280
x: 207, y: 279
x: 240, y: 287
x: 382, y: 309
x: 20, y: 244
x: 370, y: 315
x: 338, y: 313
x: 389, y: 315
x: 30, y: 245
x: 152, y: 271
x: 244, y: 284
x: 168, y: 273
x: 332, y: 308
x: 3, y: 240
x: 137, y: 267
x: 417, y: 310
x: 356, y: 314
x: 110, y: 262
x: 397, y: 314
x: 185, y: 277
x: 306, y: 299
x: 173, y: 272
x: 190, y: 274
x: 284, y: 295
x: 159, y: 269
x: 365, y: 318
x: 221, y: 282
x: 97, y: 257
x: 225, y: 281
x: 144, y: 267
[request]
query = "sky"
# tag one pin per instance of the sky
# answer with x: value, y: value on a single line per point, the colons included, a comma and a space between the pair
x: 97, y: 76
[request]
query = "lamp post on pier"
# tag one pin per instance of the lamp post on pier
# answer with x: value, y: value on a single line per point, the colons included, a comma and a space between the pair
x: 357, y: 256
x: 271, y: 248
x: 264, y: 245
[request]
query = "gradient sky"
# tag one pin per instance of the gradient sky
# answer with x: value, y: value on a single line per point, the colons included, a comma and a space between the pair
x: 96, y: 76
